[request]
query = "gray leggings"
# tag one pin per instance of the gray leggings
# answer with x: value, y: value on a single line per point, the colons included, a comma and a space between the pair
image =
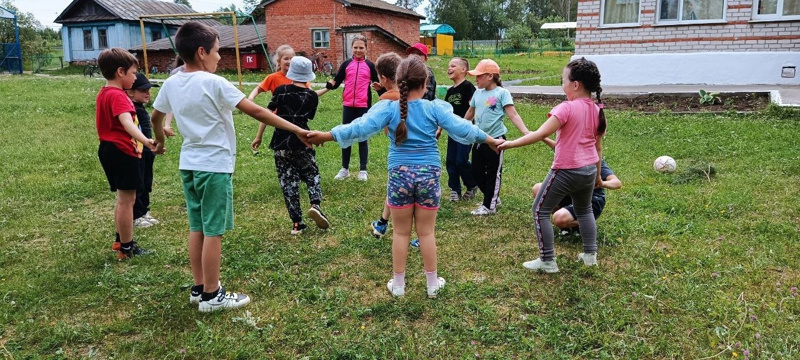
x: 577, y: 183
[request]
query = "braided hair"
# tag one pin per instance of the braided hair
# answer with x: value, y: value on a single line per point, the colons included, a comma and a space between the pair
x: 587, y: 73
x: 411, y: 75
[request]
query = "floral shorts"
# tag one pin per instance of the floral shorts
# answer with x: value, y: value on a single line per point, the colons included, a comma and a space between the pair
x: 415, y: 184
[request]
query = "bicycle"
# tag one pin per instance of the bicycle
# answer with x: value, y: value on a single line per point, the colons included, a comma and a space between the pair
x: 91, y: 68
x: 320, y: 64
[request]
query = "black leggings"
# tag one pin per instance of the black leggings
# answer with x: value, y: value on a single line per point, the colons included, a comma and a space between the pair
x: 348, y: 115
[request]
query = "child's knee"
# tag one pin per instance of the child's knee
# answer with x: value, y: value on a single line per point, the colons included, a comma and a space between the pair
x: 536, y: 189
x: 562, y: 218
x: 126, y: 197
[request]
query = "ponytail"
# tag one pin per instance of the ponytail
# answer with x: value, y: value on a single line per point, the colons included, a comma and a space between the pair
x: 496, y: 78
x: 601, y: 125
x: 401, y: 133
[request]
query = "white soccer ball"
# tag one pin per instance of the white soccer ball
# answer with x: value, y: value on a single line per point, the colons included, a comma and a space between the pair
x: 665, y: 164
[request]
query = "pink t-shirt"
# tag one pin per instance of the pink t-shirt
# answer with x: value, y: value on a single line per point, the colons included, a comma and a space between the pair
x: 576, y: 138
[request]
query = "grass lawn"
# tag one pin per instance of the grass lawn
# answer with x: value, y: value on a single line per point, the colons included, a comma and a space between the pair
x: 689, y: 268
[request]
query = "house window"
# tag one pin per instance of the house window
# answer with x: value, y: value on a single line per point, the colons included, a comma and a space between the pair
x: 155, y: 35
x: 102, y: 38
x: 88, y: 43
x: 691, y: 10
x: 322, y: 38
x: 617, y: 12
x: 777, y: 9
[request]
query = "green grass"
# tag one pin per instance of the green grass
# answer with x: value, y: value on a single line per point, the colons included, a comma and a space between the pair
x: 687, y: 270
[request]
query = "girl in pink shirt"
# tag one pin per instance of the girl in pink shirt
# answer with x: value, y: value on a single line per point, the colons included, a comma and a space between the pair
x: 579, y: 125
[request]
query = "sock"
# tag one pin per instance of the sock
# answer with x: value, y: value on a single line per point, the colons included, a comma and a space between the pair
x: 208, y: 296
x: 127, y: 247
x: 432, y: 277
x: 383, y: 221
x: 197, y: 290
x: 117, y: 240
x: 399, y: 280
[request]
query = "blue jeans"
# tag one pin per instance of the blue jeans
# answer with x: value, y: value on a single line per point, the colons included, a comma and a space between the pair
x: 458, y: 166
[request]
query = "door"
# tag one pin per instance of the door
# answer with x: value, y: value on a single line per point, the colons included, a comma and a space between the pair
x: 348, y: 45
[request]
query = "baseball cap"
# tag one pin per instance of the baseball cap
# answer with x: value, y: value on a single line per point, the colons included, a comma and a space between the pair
x: 419, y: 47
x: 486, y: 66
x: 142, y: 83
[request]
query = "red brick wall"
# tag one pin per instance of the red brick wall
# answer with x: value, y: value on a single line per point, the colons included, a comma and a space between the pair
x: 162, y: 59
x: 291, y: 21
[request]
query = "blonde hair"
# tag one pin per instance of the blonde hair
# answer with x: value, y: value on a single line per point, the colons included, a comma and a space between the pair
x: 279, y: 52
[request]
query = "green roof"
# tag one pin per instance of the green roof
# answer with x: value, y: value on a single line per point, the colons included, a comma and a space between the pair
x: 433, y: 29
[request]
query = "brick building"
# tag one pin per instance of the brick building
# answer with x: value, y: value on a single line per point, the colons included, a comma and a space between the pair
x: 327, y: 27
x: 736, y: 42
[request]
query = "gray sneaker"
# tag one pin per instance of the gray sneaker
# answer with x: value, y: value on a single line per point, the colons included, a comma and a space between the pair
x: 588, y: 259
x: 539, y: 265
x: 454, y: 196
x: 343, y: 174
x: 470, y: 194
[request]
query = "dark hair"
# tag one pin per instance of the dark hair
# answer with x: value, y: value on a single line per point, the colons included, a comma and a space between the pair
x: 387, y: 64
x: 177, y: 62
x: 496, y: 78
x: 462, y: 61
x: 411, y: 75
x: 192, y: 36
x: 359, y: 37
x: 112, y: 59
x: 586, y: 72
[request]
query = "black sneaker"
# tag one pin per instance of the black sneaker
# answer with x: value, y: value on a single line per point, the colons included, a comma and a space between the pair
x: 319, y: 217
x: 297, y: 228
x: 136, y: 250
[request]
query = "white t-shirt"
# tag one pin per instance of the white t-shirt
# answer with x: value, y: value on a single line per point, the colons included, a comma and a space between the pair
x: 203, y: 105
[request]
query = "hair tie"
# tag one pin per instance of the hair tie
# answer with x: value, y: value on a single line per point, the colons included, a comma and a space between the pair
x: 600, y: 105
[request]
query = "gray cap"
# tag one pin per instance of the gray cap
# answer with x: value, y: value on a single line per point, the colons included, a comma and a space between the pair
x: 300, y: 70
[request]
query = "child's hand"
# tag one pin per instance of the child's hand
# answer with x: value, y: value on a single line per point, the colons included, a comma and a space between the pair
x: 377, y: 86
x: 598, y: 182
x: 505, y: 145
x: 319, y: 138
x: 495, y: 144
x: 302, y: 135
x: 160, y: 149
x: 438, y: 133
x: 168, y: 131
x: 257, y: 143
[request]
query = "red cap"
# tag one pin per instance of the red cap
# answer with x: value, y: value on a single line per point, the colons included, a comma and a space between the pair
x: 419, y: 47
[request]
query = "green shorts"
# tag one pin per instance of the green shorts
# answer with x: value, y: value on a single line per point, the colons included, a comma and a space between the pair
x: 209, y: 201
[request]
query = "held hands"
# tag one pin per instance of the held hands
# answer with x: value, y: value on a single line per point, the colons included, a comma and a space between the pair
x: 377, y: 86
x: 160, y: 149
x: 507, y: 145
x: 495, y: 144
x: 318, y: 138
x: 302, y: 135
x: 168, y: 132
x: 257, y: 143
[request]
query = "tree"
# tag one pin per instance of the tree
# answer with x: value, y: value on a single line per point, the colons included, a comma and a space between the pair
x: 228, y: 21
x: 408, y: 4
x: 30, y: 33
x: 251, y: 7
x: 519, y: 36
x: 183, y: 2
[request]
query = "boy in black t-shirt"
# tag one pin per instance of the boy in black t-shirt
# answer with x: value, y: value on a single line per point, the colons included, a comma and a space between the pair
x: 140, y: 95
x: 293, y: 160
x: 457, y: 158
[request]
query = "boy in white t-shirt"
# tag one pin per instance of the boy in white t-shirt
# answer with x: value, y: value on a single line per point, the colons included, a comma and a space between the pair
x: 203, y: 105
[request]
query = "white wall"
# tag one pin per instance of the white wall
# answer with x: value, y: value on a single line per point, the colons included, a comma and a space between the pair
x: 714, y: 68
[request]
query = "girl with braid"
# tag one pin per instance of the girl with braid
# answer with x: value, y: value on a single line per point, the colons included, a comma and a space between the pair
x: 413, y: 191
x: 579, y: 125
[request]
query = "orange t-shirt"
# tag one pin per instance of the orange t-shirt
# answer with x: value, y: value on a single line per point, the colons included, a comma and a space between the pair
x: 391, y: 95
x: 278, y: 78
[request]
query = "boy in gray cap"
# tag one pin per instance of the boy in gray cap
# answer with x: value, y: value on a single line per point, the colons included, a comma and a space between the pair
x: 294, y: 162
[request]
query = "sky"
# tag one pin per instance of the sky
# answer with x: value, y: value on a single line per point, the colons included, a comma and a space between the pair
x: 47, y: 10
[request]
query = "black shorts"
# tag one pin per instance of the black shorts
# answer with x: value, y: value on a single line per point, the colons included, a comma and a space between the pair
x: 122, y: 170
x: 598, y: 203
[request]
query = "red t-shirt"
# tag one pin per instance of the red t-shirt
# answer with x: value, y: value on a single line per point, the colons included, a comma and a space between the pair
x: 111, y: 103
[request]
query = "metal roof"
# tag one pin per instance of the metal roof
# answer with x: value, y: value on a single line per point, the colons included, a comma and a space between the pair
x: 373, y: 4
x: 130, y: 10
x: 390, y: 36
x: 433, y: 29
x: 247, y: 39
x: 560, y: 25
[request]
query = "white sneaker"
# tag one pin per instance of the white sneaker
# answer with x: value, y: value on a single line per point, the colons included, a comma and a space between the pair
x: 588, y: 259
x: 362, y: 175
x: 343, y: 174
x: 195, y: 298
x: 432, y: 290
x: 142, y: 223
x: 482, y: 211
x: 546, y: 266
x: 225, y: 300
x: 395, y: 291
x: 150, y: 219
x: 454, y: 196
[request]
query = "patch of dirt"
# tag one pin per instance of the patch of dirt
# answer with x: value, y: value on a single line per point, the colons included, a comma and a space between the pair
x: 674, y: 103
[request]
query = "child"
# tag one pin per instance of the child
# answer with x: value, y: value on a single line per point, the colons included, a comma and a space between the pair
x: 580, y: 125
x: 121, y: 143
x: 358, y: 74
x: 283, y: 57
x: 414, y: 164
x: 203, y: 105
x: 564, y: 216
x: 140, y: 95
x: 490, y: 103
x: 421, y: 51
x: 457, y: 158
x: 293, y: 160
x: 386, y: 65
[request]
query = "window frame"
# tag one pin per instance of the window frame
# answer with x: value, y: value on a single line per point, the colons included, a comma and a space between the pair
x: 680, y: 21
x: 100, y: 38
x: 620, y: 25
x: 324, y: 44
x: 153, y: 32
x: 778, y: 16
x: 91, y: 39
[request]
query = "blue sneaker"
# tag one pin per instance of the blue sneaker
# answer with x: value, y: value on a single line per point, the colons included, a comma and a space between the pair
x: 379, y: 230
x: 415, y: 243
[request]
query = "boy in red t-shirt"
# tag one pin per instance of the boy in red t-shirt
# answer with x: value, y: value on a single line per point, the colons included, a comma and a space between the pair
x: 121, y: 143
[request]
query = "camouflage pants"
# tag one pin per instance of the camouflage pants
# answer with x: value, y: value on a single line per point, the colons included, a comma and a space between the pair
x: 294, y: 166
